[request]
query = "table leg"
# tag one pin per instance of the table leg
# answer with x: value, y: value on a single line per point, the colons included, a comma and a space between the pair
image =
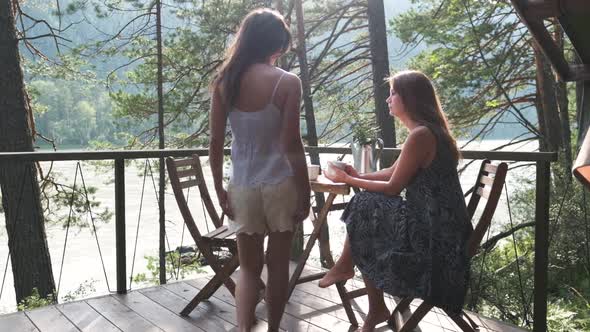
x: 317, y: 227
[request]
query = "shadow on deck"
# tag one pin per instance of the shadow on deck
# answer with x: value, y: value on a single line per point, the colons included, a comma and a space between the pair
x: 156, y: 309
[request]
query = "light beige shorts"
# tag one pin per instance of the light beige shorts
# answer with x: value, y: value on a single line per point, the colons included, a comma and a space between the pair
x: 263, y: 209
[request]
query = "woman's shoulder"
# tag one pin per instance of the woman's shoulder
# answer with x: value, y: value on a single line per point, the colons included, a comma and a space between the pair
x: 288, y: 76
x: 289, y: 82
x: 423, y: 135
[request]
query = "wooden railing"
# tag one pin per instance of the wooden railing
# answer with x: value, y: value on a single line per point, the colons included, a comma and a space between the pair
x: 542, y: 196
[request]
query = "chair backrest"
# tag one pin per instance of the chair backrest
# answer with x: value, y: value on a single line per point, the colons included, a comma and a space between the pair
x: 489, y: 184
x: 185, y: 173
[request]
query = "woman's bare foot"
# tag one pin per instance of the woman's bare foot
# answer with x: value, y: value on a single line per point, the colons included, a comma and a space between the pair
x: 375, y: 318
x: 336, y: 274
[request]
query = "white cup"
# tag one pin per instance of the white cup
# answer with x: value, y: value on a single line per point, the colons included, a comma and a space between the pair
x: 329, y: 171
x: 313, y: 171
x: 339, y: 164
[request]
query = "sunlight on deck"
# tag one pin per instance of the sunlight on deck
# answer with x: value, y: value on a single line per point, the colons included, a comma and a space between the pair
x: 156, y: 309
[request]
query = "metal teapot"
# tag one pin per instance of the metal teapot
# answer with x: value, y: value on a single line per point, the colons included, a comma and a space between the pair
x: 366, y: 156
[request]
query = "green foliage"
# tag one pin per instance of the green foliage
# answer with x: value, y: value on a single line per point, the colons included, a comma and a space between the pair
x: 192, y: 55
x: 195, y: 39
x: 177, y: 267
x: 35, y: 301
x: 85, y: 289
x: 363, y: 128
x: 472, y: 46
x: 72, y: 113
x: 57, y: 197
x: 568, y: 315
x: 496, y: 284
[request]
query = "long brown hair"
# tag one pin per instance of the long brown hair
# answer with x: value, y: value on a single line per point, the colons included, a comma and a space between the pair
x: 423, y: 105
x: 262, y: 33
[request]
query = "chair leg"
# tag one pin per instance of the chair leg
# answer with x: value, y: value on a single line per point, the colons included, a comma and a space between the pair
x: 204, y: 294
x: 471, y: 321
x: 463, y: 325
x: 397, y: 322
x: 225, y: 271
x: 403, y: 304
x: 222, y: 276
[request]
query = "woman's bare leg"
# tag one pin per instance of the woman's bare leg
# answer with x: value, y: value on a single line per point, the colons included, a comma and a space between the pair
x: 342, y: 270
x: 251, y: 253
x: 277, y: 262
x: 378, y: 312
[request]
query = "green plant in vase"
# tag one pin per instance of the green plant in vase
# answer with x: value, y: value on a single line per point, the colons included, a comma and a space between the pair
x: 366, y: 144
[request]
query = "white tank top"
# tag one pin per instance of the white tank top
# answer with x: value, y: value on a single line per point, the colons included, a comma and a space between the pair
x: 256, y: 153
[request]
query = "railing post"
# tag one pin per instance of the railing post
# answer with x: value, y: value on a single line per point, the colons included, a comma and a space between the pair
x: 542, y: 193
x: 120, y: 226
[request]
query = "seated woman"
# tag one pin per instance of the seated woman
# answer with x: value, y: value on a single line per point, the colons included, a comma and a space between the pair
x: 414, y: 246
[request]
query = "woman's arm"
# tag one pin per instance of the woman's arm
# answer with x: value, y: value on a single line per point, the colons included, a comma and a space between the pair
x: 418, y: 147
x: 381, y: 175
x: 217, y: 123
x: 293, y: 146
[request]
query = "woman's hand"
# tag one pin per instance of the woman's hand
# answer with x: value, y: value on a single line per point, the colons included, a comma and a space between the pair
x: 223, y: 198
x: 350, y: 170
x: 336, y: 175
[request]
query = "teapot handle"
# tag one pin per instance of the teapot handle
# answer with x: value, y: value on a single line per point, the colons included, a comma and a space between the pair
x: 380, y: 145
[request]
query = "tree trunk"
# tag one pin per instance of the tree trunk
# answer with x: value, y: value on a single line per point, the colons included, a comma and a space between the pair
x: 311, y: 135
x: 297, y: 243
x: 31, y: 263
x: 562, y: 102
x: 380, y: 66
x: 549, y: 123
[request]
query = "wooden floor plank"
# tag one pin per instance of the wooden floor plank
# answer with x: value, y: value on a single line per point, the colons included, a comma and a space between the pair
x: 201, y: 317
x: 86, y: 318
x: 17, y: 322
x: 50, y: 319
x: 431, y: 322
x: 213, y: 305
x: 497, y: 326
x: 218, y: 307
x: 156, y: 309
x: 155, y: 313
x: 292, y: 320
x: 325, y: 300
x: 121, y: 316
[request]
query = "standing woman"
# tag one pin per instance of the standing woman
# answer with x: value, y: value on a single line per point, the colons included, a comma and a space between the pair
x: 269, y: 189
x: 415, y: 246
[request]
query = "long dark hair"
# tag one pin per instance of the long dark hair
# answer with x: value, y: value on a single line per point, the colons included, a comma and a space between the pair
x: 262, y: 33
x: 423, y: 105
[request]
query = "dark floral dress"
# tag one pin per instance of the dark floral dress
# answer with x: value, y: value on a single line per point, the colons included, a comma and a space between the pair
x: 415, y: 246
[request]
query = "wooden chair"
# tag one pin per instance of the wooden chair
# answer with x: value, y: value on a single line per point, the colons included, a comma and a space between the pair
x: 488, y: 185
x: 185, y: 173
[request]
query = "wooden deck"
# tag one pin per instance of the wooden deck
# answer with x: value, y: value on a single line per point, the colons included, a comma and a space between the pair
x: 156, y: 309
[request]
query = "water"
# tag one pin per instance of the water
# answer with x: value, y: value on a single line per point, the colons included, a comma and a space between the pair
x: 82, y: 263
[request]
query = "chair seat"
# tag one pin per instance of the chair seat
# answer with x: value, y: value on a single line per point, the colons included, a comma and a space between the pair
x: 222, y: 236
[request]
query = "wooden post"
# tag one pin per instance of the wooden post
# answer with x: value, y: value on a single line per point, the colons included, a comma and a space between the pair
x: 311, y: 136
x: 162, y: 165
x: 120, y: 226
x: 380, y: 67
x: 542, y: 193
x: 582, y: 109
